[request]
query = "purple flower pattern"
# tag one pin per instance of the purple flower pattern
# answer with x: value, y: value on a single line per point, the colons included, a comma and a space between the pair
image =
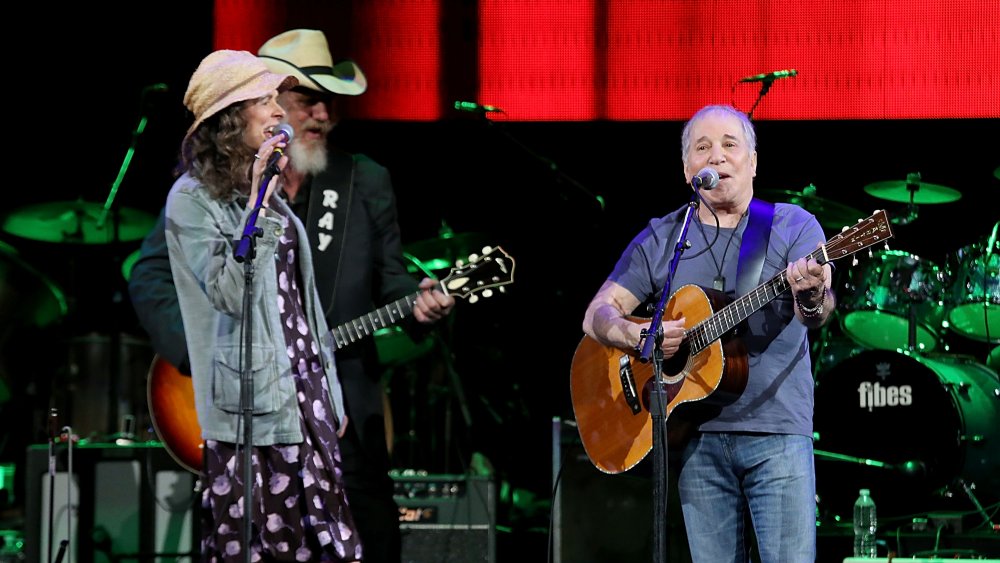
x: 305, y: 515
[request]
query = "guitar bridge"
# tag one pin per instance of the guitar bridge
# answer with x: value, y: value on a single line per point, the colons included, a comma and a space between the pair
x: 628, y: 383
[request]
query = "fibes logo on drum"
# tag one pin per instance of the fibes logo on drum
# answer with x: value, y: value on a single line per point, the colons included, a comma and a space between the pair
x: 873, y: 395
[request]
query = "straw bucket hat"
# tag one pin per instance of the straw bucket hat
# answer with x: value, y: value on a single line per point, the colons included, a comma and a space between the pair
x: 226, y: 77
x: 305, y: 54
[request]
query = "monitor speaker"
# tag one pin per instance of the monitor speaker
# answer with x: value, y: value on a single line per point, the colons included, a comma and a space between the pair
x: 118, y: 503
x: 446, y: 518
x: 599, y: 517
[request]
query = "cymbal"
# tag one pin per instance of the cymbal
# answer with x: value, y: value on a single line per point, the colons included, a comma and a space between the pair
x: 26, y: 294
x: 443, y: 252
x: 76, y: 222
x: 922, y: 192
x: 831, y: 214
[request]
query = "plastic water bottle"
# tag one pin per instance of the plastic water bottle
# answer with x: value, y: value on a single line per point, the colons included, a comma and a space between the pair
x: 865, y: 523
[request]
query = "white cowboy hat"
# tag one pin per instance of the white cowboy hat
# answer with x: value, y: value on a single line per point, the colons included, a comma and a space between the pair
x: 305, y: 54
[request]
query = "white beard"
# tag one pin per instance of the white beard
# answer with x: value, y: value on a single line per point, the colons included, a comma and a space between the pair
x: 308, y: 159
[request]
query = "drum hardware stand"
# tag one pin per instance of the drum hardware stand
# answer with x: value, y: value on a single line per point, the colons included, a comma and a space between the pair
x: 412, y: 437
x: 851, y: 459
x: 53, y: 433
x: 820, y: 349
x: 455, y: 383
x: 968, y: 488
x: 910, y: 213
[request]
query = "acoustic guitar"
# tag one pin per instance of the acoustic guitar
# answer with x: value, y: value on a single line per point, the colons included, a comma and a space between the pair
x: 611, y: 392
x: 170, y: 393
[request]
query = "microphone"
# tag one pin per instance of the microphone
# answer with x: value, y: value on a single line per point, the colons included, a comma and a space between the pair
x: 706, y: 179
x: 770, y: 76
x: 473, y: 107
x: 272, y: 162
x: 245, y: 247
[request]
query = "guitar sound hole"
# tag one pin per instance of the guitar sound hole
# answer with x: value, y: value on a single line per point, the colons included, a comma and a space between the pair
x: 670, y: 391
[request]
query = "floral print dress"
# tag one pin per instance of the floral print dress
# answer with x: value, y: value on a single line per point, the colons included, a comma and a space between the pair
x: 303, y: 514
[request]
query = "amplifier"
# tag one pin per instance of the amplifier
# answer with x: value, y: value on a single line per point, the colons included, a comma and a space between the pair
x: 598, y: 517
x: 127, y: 503
x: 446, y: 518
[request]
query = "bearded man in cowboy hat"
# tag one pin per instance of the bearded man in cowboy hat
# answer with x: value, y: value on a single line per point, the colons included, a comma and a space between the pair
x: 348, y: 206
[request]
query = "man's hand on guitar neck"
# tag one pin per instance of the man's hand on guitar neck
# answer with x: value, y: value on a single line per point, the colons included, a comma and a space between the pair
x: 810, y: 282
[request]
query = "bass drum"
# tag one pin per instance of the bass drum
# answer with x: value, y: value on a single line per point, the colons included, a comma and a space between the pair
x: 878, y: 297
x: 906, y: 427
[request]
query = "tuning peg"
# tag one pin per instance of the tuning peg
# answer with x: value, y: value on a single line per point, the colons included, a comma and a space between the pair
x: 854, y: 260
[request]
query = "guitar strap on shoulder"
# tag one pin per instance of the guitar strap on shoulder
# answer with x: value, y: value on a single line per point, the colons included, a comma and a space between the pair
x: 754, y: 246
x: 326, y: 219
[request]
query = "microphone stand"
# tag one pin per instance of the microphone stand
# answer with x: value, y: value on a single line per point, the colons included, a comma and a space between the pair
x: 53, y: 426
x: 245, y: 253
x: 649, y: 348
x: 560, y: 175
x: 765, y: 86
x: 111, y: 208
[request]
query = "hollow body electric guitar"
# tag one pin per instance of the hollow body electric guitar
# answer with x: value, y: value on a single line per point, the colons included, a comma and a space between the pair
x: 611, y: 392
x: 170, y: 393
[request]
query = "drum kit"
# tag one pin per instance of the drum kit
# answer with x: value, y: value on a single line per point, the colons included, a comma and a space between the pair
x: 424, y: 387
x: 897, y: 408
x: 52, y: 290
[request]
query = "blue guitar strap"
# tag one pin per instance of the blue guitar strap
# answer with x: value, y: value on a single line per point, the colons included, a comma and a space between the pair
x: 754, y: 246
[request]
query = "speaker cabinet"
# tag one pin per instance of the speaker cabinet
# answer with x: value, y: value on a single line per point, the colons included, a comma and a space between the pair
x: 599, y: 517
x: 118, y: 503
x: 446, y: 518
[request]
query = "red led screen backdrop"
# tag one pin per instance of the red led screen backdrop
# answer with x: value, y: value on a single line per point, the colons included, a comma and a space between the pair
x: 245, y: 25
x: 656, y: 59
x: 397, y: 43
x: 579, y: 60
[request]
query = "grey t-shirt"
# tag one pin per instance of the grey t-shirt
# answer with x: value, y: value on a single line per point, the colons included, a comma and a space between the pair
x: 779, y: 393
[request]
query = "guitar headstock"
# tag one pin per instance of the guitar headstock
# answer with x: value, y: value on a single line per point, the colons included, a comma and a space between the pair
x: 865, y: 233
x: 492, y: 269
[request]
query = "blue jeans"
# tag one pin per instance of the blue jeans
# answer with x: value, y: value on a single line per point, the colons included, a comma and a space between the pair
x: 722, y: 475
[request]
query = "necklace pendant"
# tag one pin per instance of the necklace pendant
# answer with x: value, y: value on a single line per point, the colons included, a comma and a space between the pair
x: 719, y: 283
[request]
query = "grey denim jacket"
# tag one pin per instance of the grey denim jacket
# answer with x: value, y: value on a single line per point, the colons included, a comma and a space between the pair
x: 201, y: 234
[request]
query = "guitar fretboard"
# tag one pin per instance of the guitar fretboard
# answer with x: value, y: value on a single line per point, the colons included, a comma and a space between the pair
x: 365, y: 326
x: 711, y: 329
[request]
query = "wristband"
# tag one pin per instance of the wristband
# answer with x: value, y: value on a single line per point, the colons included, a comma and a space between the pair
x: 812, y: 311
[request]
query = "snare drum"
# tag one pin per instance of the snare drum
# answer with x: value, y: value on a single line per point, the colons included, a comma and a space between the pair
x: 878, y: 297
x: 975, y: 292
x: 930, y: 420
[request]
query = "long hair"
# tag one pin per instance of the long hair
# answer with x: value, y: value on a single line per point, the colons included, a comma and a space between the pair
x: 216, y: 155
